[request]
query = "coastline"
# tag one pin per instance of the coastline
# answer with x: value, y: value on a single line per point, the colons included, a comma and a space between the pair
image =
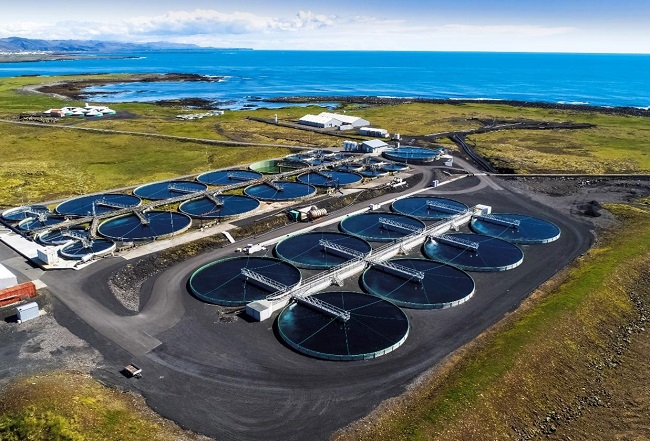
x: 74, y: 90
x: 385, y: 101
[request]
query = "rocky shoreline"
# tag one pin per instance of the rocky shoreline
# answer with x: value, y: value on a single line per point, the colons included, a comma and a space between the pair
x: 379, y: 101
x: 74, y: 88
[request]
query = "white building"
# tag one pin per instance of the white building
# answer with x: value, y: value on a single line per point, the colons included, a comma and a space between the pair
x: 374, y: 146
x: 370, y: 131
x: 321, y: 121
x: 353, y: 121
x: 7, y: 278
x: 327, y: 120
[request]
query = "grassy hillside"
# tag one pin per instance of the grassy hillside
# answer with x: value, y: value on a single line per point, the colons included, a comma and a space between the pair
x: 69, y: 406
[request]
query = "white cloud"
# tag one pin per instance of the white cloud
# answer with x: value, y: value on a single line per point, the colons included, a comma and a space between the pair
x: 524, y: 30
x: 174, y: 25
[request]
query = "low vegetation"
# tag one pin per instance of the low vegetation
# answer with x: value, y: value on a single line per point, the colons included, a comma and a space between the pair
x: 45, y: 163
x: 69, y: 406
x: 546, y: 366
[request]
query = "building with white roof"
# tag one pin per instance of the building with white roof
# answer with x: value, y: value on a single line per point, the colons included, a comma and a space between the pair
x: 327, y: 120
x: 373, y: 146
x: 371, y: 131
x: 321, y: 121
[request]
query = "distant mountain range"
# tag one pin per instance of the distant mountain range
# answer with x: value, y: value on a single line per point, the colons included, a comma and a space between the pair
x: 18, y: 44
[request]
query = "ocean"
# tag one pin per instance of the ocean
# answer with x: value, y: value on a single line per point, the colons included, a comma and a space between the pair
x: 251, y: 76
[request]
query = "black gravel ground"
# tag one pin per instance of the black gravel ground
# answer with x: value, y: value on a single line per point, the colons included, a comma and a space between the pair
x: 234, y: 379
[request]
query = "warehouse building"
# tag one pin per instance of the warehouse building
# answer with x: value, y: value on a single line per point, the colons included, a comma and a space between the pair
x: 326, y: 120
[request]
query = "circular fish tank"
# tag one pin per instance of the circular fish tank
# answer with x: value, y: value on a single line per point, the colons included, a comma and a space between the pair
x: 219, y: 207
x: 330, y: 178
x: 233, y: 282
x: 95, y: 205
x: 22, y: 213
x: 374, y: 327
x: 275, y: 166
x: 228, y: 177
x: 60, y: 237
x: 371, y: 174
x: 418, y: 283
x: 321, y: 250
x: 394, y: 167
x: 350, y: 167
x: 144, y: 226
x: 169, y: 189
x: 79, y: 250
x: 380, y: 226
x: 474, y: 252
x: 516, y: 228
x: 429, y: 207
x: 35, y: 223
x: 280, y: 191
x: 414, y: 155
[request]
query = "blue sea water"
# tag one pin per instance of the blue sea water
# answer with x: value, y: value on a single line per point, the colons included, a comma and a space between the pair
x: 252, y: 76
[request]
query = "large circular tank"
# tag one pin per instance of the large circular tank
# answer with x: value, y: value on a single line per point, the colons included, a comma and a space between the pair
x: 274, y: 166
x: 97, y: 204
x: 79, y: 250
x: 168, y: 189
x: 35, y: 223
x: 380, y: 226
x: 219, y: 207
x: 418, y: 283
x: 429, y: 207
x: 351, y: 167
x: 147, y: 226
x: 413, y: 155
x: 321, y: 250
x: 280, y: 191
x: 373, y: 173
x: 393, y: 167
x: 330, y: 178
x: 375, y: 327
x: 24, y: 212
x: 60, y: 237
x: 228, y: 177
x: 224, y: 282
x: 474, y: 252
x: 516, y: 228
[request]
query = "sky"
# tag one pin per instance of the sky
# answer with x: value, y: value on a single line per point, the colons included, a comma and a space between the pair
x: 593, y: 26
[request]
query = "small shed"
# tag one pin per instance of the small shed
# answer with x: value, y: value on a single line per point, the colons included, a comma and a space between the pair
x: 27, y: 311
x: 259, y: 310
x: 371, y: 131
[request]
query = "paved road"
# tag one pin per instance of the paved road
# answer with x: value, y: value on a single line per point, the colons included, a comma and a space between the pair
x: 237, y: 381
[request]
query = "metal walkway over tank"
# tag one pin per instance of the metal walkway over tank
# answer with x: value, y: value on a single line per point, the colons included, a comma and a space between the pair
x: 358, y: 263
x: 317, y: 304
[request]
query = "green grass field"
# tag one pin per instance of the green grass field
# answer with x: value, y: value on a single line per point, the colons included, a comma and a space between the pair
x: 41, y: 164
x: 69, y: 406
